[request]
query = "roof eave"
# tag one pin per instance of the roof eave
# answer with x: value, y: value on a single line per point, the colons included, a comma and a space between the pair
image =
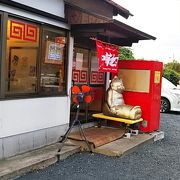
x: 113, y: 32
x: 118, y: 9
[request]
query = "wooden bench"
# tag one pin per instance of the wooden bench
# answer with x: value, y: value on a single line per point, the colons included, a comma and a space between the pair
x: 123, y: 120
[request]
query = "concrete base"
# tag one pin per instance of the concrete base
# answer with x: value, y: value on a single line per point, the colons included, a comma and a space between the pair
x: 22, y: 143
x: 37, y: 159
x: 122, y: 146
x: 41, y: 158
x: 125, y: 146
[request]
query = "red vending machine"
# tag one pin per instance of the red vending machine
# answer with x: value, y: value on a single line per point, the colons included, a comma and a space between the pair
x: 142, y: 81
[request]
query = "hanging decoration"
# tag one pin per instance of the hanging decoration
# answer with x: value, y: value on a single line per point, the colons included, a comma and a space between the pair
x: 107, y: 56
x: 81, y: 94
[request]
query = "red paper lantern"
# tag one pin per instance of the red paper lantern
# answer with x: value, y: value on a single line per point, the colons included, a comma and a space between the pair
x: 85, y: 88
x: 75, y: 89
x: 88, y: 99
x: 75, y: 100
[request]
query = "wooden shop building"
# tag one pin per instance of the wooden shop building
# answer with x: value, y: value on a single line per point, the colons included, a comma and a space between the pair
x: 44, y: 46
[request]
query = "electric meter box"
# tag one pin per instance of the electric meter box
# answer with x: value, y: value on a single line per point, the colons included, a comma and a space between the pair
x: 142, y: 80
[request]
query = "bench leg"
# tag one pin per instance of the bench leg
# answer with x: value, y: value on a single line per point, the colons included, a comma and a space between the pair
x: 127, y: 128
x: 99, y: 123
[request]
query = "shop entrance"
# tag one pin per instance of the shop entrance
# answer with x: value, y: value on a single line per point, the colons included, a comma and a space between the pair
x: 85, y: 71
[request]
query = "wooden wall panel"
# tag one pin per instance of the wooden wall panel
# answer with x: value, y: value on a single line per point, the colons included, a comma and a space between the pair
x: 98, y: 7
x: 75, y: 16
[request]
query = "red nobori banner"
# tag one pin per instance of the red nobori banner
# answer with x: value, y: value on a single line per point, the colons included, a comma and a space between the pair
x: 107, y: 56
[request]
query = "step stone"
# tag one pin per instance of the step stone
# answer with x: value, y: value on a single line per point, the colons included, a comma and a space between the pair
x: 34, y: 160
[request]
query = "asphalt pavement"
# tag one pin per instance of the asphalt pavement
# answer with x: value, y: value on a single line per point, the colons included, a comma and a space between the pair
x: 157, y: 161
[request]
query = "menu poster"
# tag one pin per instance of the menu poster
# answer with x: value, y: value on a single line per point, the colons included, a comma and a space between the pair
x: 94, y: 63
x: 54, y: 53
x: 79, y: 60
x: 22, y: 69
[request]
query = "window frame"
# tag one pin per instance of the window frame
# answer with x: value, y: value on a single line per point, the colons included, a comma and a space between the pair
x: 3, y: 46
x: 43, y: 28
x: 3, y: 38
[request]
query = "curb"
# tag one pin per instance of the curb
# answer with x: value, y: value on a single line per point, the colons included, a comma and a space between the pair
x: 34, y: 160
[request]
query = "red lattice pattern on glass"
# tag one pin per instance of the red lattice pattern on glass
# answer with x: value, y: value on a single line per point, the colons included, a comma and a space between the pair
x: 30, y: 33
x: 97, y: 77
x: 23, y: 31
x: 16, y: 30
x: 79, y: 76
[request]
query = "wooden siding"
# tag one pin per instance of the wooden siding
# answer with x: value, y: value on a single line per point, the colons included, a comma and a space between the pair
x: 99, y: 7
x: 76, y: 16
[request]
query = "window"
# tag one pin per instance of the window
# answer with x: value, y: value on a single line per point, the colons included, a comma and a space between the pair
x: 35, y: 59
x: 53, y: 62
x: 82, y: 74
x: 21, y: 57
x: 96, y: 77
x: 83, y: 58
x: 80, y: 66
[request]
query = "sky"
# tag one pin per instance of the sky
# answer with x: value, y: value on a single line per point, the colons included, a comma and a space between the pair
x: 159, y: 18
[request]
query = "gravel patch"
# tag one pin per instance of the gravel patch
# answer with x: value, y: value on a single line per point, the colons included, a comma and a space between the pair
x: 156, y: 161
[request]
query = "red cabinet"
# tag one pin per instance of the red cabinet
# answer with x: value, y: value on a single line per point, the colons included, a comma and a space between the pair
x: 142, y: 81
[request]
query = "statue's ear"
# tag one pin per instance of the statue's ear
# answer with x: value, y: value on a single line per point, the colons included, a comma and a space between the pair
x: 115, y: 78
x: 121, y: 80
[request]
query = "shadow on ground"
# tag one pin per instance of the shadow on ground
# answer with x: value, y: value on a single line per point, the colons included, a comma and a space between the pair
x: 174, y: 112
